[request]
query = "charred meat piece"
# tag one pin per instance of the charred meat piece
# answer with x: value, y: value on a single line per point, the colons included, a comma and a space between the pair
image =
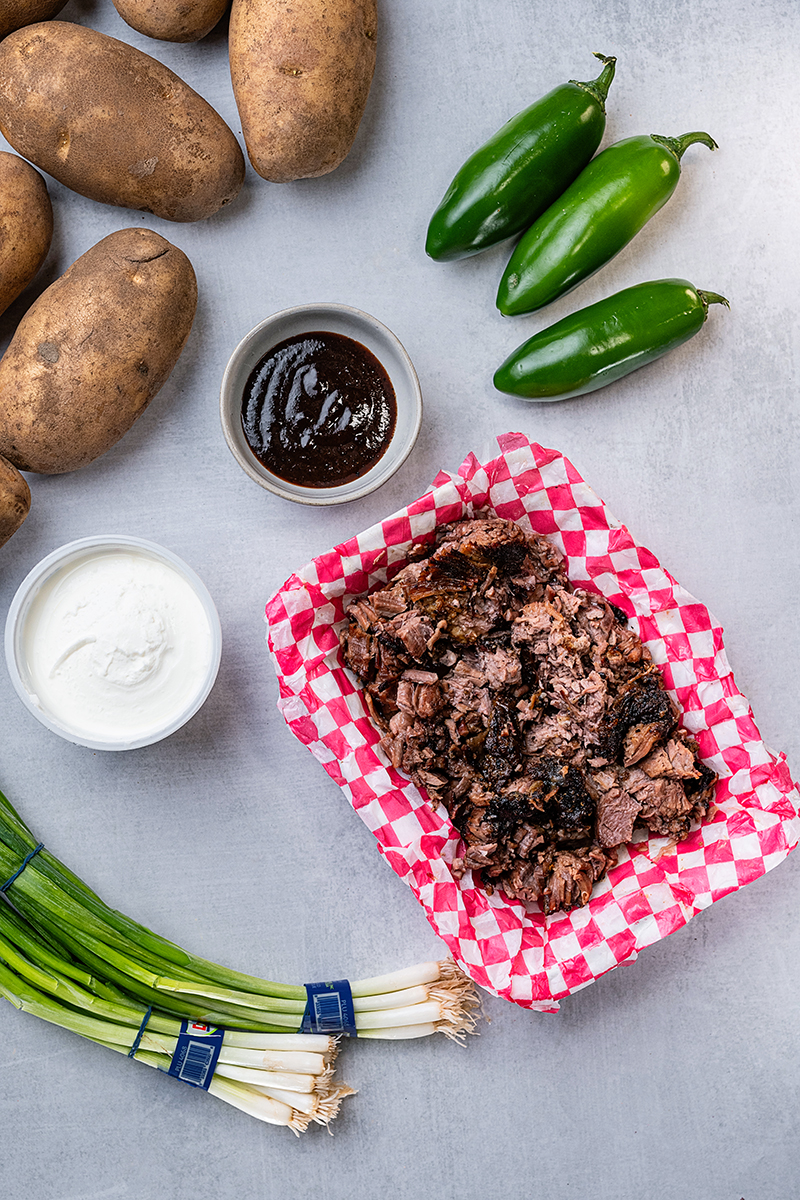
x: 641, y: 715
x: 701, y: 789
x: 470, y: 581
x: 501, y: 755
x: 509, y: 811
x: 470, y: 549
x: 568, y: 807
x: 528, y: 708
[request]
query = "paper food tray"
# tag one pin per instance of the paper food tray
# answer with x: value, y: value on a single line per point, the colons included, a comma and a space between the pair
x: 505, y: 946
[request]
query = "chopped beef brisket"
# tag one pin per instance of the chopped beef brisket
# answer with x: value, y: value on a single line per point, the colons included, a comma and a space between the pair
x: 617, y: 809
x: 641, y: 714
x: 525, y: 706
x: 502, y: 757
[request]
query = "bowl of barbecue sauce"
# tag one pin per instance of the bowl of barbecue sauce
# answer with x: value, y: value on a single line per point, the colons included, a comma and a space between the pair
x: 320, y: 404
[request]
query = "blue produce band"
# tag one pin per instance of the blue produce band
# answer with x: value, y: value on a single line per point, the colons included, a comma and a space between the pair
x: 195, y: 1058
x: 329, y: 1009
x: 140, y: 1034
x: 5, y: 886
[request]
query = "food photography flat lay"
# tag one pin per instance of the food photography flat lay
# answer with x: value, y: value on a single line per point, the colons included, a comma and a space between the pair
x: 398, y: 574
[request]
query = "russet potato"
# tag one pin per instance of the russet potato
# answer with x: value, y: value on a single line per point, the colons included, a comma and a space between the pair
x: 26, y: 225
x: 301, y: 73
x: 114, y: 124
x: 94, y: 349
x: 16, y: 13
x: 172, y: 20
x: 15, y: 500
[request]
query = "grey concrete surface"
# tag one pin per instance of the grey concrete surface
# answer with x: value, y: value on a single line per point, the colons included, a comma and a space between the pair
x: 672, y: 1079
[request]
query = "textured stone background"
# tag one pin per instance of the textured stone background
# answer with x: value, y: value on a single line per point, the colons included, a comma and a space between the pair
x: 672, y: 1079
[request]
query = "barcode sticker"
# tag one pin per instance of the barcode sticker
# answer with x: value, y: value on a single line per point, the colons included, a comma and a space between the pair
x: 196, y: 1054
x: 329, y: 1009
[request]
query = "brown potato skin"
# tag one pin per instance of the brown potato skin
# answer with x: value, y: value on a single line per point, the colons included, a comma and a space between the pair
x: 301, y: 73
x: 114, y: 124
x: 16, y: 13
x: 91, y: 353
x: 172, y: 20
x: 26, y: 225
x: 15, y: 500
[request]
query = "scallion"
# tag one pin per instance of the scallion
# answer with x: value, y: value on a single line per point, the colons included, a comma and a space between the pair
x: 70, y: 959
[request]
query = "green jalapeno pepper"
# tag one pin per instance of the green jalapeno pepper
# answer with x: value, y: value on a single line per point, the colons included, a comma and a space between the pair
x: 596, y: 345
x: 518, y: 173
x: 598, y: 214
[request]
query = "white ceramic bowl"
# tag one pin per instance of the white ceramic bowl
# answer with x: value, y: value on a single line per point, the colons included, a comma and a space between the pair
x: 331, y: 318
x: 134, y: 728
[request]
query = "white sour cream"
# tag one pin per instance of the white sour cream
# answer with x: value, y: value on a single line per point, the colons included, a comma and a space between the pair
x: 117, y: 646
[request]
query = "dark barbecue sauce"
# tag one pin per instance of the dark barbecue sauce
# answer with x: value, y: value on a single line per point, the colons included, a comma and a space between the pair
x: 319, y: 410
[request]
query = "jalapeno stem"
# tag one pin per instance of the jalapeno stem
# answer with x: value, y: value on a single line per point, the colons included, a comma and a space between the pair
x: 677, y: 145
x: 599, y: 87
x: 707, y: 298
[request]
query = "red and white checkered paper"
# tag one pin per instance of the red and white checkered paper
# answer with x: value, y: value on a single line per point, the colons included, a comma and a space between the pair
x: 507, y: 947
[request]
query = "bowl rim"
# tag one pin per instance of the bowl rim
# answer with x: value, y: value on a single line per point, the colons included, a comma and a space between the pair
x: 75, y: 550
x: 230, y: 409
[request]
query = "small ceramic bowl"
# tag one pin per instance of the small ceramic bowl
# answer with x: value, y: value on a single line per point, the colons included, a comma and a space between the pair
x: 348, y: 322
x: 112, y: 642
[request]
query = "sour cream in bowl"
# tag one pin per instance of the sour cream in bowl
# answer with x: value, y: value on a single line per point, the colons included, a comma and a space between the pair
x: 112, y: 642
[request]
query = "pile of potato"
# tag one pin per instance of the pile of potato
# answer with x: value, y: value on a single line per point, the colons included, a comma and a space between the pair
x: 116, y: 125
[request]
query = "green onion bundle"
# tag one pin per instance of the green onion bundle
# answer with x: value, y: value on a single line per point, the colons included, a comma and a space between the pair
x: 67, y: 957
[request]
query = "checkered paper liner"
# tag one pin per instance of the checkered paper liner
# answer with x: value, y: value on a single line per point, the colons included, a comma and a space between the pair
x: 509, y: 948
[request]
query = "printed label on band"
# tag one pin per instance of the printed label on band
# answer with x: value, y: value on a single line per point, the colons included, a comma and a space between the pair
x: 196, y: 1054
x: 329, y: 1009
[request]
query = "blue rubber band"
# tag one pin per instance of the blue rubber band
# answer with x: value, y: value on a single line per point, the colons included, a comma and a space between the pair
x: 196, y: 1054
x: 329, y: 1009
x: 5, y: 886
x: 140, y: 1034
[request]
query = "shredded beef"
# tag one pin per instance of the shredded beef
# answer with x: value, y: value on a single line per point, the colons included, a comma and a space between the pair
x: 525, y: 706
